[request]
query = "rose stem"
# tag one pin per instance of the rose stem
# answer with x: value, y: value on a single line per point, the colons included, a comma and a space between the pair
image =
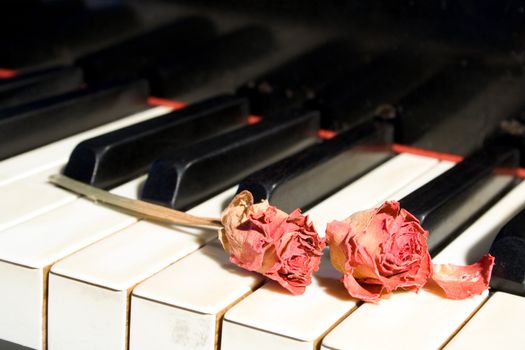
x: 144, y: 209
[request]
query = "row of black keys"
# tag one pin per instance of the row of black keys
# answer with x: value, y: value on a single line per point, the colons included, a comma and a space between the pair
x: 37, y: 107
x: 40, y: 107
x: 44, y: 106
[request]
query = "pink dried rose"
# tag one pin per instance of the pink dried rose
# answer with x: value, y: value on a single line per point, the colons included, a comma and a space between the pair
x: 259, y: 237
x: 380, y: 250
x: 384, y: 249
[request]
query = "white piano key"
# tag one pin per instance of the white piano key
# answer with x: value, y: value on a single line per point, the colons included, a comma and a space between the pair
x: 431, y: 318
x: 181, y: 307
x: 18, y: 305
x: 130, y: 189
x: 439, y: 169
x: 271, y: 317
x: 88, y: 291
x: 497, y: 325
x: 55, y: 155
x: 49, y: 237
x: 378, y: 184
x: 22, y: 201
x: 28, y: 250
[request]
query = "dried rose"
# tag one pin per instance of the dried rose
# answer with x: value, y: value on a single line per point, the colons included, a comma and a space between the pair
x: 259, y: 237
x: 380, y: 250
x: 383, y: 249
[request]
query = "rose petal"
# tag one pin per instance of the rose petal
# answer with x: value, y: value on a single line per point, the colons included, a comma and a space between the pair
x: 460, y: 282
x: 336, y: 232
x: 365, y: 292
x: 361, y: 262
x: 369, y: 224
x: 361, y: 219
x: 294, y: 287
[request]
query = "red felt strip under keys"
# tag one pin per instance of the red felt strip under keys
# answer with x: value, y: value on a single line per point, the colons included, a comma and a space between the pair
x: 426, y: 153
x: 7, y: 73
x: 326, y: 134
x: 518, y: 172
x: 158, y: 101
x: 254, y: 119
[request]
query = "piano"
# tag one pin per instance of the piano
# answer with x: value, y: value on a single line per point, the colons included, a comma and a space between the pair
x: 330, y: 106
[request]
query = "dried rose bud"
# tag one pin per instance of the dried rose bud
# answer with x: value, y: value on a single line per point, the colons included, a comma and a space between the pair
x: 383, y: 249
x: 380, y: 250
x: 259, y: 237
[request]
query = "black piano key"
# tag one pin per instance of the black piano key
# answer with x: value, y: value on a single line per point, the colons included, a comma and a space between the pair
x: 211, y: 61
x: 37, y: 123
x: 40, y: 84
x: 56, y: 34
x: 450, y: 202
x: 508, y: 248
x: 131, y: 58
x: 511, y: 133
x: 108, y: 160
x: 194, y: 173
x: 459, y: 107
x: 310, y: 176
x: 358, y: 94
x: 299, y: 79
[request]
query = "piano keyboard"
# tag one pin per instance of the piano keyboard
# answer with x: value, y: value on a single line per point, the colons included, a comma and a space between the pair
x: 113, y: 266
x: 79, y: 275
x: 126, y: 277
x: 134, y: 267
